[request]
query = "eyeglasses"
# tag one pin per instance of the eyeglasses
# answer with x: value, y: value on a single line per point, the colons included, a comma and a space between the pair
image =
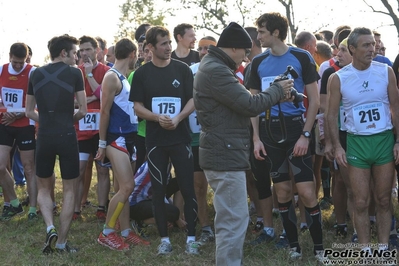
x: 383, y: 49
x: 247, y: 52
x: 333, y: 46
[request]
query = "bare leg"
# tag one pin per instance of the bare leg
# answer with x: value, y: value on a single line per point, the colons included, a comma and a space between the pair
x: 124, y: 174
x: 68, y: 204
x: 103, y: 183
x: 80, y: 185
x: 360, y: 183
x: 52, y: 193
x: 27, y: 159
x: 266, y: 207
x: 382, y: 181
x: 6, y: 180
x: 44, y: 200
x: 317, y: 172
x: 340, y: 198
x: 88, y: 173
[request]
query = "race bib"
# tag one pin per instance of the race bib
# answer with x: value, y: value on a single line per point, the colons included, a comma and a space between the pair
x: 170, y: 106
x: 194, y: 124
x: 12, y: 98
x: 369, y: 117
x: 267, y: 82
x: 91, y: 121
x: 132, y: 114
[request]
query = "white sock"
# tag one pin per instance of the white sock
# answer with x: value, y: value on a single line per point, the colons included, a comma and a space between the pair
x: 269, y: 231
x: 125, y: 232
x: 107, y: 231
x: 50, y: 227
x: 60, y: 246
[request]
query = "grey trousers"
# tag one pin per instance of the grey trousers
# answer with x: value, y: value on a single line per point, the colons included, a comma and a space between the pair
x: 231, y: 220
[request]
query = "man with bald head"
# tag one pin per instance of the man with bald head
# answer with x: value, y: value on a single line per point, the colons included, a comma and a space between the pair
x: 307, y: 41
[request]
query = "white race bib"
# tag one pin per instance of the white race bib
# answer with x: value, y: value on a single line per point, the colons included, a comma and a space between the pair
x: 369, y: 117
x: 170, y: 106
x: 91, y: 121
x: 194, y: 124
x: 266, y: 82
x: 132, y: 114
x: 12, y: 98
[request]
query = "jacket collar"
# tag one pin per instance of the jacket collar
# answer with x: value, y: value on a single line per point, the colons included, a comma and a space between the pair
x: 215, y: 51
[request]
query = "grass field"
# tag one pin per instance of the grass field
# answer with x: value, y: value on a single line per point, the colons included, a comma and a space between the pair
x: 22, y: 240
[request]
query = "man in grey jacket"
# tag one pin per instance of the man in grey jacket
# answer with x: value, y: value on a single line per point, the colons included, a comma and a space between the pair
x: 223, y: 108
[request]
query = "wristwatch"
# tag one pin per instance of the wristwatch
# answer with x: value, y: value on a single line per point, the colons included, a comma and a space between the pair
x: 306, y: 134
x: 90, y: 75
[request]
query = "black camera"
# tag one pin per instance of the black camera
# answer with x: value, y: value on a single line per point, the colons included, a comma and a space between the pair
x: 298, y: 96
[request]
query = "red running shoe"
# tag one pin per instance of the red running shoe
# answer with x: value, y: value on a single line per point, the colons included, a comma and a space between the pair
x: 112, y: 241
x: 134, y: 239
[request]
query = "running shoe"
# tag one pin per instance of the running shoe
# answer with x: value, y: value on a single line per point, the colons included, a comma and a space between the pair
x: 164, y: 248
x: 206, y: 237
x: 112, y: 241
x: 341, y: 230
x: 11, y: 212
x: 282, y: 242
x: 32, y: 216
x: 294, y: 255
x: 51, y: 238
x: 192, y: 248
x: 319, y: 256
x: 258, y: 227
x: 139, y: 229
x: 66, y: 249
x: 304, y: 229
x: 134, y: 239
x: 5, y: 208
x: 263, y: 237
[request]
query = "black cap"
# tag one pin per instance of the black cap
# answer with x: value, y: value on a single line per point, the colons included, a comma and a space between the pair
x: 234, y: 36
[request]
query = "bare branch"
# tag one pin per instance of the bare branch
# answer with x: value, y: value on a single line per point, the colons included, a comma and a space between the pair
x: 379, y: 11
x: 238, y: 3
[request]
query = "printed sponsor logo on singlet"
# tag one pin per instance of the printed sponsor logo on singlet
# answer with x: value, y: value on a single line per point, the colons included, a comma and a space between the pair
x: 13, y: 78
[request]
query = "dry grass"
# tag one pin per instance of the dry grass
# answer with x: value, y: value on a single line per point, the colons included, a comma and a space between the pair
x: 22, y: 240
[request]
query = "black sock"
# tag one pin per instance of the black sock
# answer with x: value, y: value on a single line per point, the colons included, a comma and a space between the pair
x: 287, y: 212
x: 313, y: 218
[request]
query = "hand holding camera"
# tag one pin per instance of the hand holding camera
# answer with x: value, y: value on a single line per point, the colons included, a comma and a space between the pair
x: 298, y: 97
